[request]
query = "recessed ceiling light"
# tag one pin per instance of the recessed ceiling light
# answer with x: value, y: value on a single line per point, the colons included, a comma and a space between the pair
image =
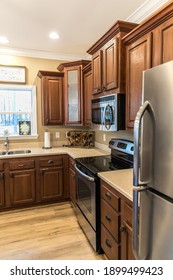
x: 54, y: 35
x: 3, y: 40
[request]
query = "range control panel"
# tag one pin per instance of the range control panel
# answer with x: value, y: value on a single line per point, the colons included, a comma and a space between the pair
x: 125, y: 146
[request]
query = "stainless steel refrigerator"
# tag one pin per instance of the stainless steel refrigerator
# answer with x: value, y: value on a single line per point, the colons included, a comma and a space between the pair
x: 153, y: 167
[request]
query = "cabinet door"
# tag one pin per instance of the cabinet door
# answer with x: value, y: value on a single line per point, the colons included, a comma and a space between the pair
x: 138, y: 60
x: 22, y: 187
x: 87, y: 86
x: 126, y: 231
x: 97, y: 75
x: 51, y: 183
x: 73, y: 98
x: 52, y: 100
x: 2, y: 190
x: 163, y: 43
x: 110, y: 62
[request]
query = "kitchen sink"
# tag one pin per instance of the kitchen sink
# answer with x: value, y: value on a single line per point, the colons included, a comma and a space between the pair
x: 14, y: 152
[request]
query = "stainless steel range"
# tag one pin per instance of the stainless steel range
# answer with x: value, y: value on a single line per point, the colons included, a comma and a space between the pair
x: 88, y: 185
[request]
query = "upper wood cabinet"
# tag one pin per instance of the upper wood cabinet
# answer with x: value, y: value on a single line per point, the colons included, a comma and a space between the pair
x: 73, y: 91
x: 108, y: 61
x: 87, y: 93
x: 148, y: 45
x: 51, y: 97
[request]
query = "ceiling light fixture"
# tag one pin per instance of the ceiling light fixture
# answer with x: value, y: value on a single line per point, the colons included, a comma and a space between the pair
x: 54, y: 36
x: 3, y: 40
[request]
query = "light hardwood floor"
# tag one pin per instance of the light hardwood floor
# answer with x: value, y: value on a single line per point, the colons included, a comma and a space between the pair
x: 48, y: 232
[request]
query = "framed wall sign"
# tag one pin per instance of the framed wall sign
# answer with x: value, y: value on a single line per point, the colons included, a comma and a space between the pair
x: 12, y: 74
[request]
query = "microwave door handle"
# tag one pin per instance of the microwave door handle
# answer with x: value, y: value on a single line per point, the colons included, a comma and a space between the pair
x: 84, y: 175
x: 137, y: 130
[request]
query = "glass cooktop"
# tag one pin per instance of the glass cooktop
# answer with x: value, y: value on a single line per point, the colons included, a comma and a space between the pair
x: 102, y: 163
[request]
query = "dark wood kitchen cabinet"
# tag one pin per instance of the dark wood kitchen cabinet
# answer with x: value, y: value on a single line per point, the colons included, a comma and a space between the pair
x: 108, y: 61
x: 138, y: 59
x: 51, y: 97
x: 87, y: 93
x: 110, y: 222
x: 148, y: 45
x: 73, y: 91
x: 116, y: 224
x: 2, y: 185
x: 53, y: 180
x: 22, y: 181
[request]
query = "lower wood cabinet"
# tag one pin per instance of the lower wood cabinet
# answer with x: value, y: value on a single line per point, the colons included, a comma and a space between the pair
x: 33, y: 180
x: 116, y: 224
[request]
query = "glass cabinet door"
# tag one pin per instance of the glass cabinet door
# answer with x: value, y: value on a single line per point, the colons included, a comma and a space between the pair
x: 73, y: 98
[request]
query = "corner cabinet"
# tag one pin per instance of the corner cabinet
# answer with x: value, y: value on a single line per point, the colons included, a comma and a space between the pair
x: 51, y: 97
x: 73, y: 92
x: 148, y: 45
x: 108, y: 61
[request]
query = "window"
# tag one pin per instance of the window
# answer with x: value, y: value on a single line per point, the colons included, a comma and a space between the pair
x: 17, y: 103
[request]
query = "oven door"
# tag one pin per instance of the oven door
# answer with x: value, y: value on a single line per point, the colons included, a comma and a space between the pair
x: 86, y: 196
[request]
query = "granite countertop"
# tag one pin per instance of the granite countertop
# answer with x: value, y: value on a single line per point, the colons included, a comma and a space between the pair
x: 121, y: 180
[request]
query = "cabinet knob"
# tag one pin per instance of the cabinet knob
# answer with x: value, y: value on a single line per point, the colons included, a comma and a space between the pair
x: 122, y: 228
x: 108, y: 243
x: 51, y: 161
x: 108, y: 218
x: 108, y: 195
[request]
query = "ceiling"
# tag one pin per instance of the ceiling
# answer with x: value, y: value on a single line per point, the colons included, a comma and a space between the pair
x: 80, y: 24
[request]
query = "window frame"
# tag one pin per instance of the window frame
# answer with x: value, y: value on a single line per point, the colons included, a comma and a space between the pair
x: 31, y: 88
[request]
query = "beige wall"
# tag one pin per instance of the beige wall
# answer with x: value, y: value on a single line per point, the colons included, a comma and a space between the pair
x: 33, y: 65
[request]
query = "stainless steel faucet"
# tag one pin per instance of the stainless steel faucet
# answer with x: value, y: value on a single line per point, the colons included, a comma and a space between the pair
x: 6, y: 144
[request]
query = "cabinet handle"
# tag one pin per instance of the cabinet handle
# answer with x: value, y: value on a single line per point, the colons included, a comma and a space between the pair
x: 108, y: 243
x: 1, y: 175
x: 21, y: 165
x: 51, y: 161
x: 108, y: 218
x: 11, y: 175
x: 108, y: 195
x: 122, y: 228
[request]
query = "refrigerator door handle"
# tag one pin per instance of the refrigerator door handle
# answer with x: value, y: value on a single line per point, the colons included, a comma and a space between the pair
x: 135, y: 232
x: 137, y: 129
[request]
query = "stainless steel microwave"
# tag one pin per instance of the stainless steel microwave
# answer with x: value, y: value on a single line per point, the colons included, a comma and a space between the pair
x: 108, y: 112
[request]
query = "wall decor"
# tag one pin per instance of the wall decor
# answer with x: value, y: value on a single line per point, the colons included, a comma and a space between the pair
x: 24, y: 128
x: 12, y: 74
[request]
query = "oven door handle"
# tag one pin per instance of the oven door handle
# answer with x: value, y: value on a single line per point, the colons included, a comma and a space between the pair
x: 84, y: 175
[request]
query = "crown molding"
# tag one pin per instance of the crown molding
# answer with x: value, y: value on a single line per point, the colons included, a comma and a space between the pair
x: 145, y: 10
x: 43, y: 54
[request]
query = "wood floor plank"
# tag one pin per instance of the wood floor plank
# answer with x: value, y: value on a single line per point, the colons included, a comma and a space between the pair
x: 48, y: 232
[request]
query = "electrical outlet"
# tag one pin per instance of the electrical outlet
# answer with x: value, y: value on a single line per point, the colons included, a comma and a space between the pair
x: 57, y: 134
x: 104, y: 137
x: 66, y: 134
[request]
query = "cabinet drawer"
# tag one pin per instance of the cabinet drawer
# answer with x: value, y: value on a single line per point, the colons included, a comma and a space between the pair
x: 21, y: 164
x: 51, y: 161
x: 110, y: 197
x: 128, y: 213
x: 110, y: 219
x: 109, y: 245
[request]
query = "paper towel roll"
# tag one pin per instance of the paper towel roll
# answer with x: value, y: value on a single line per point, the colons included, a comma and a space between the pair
x: 47, y: 140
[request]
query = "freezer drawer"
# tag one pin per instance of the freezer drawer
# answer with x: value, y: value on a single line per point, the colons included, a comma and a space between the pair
x: 155, y: 227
